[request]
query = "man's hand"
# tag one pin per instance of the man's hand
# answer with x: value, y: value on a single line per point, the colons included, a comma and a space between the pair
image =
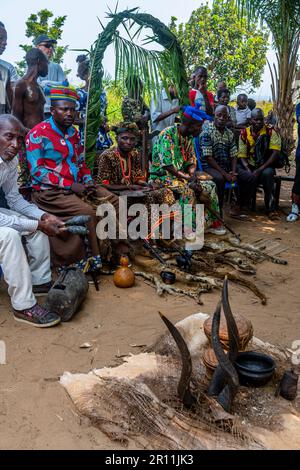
x: 52, y: 218
x: 78, y: 189
x: 228, y: 177
x: 49, y: 228
x: 90, y: 188
x: 257, y: 172
x: 233, y: 177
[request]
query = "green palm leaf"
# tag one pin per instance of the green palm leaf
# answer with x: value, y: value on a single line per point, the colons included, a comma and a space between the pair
x: 152, y: 66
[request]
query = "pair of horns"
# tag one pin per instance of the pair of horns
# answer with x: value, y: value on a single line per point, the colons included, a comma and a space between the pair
x: 225, y: 379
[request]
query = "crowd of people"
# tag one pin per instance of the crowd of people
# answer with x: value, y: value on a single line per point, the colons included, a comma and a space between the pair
x: 189, y: 154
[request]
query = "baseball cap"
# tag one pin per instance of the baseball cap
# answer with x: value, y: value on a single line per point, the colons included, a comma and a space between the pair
x: 43, y: 38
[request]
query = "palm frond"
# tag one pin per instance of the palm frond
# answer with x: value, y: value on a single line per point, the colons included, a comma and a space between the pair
x: 151, y: 66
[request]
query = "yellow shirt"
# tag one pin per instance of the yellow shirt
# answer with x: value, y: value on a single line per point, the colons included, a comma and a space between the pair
x: 247, y: 142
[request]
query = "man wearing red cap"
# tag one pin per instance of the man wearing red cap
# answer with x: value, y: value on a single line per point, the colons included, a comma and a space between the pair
x: 60, y: 176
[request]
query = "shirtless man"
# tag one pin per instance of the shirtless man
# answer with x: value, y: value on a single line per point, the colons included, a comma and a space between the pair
x: 29, y: 100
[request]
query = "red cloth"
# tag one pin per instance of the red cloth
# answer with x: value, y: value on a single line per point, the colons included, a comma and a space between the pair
x: 193, y: 93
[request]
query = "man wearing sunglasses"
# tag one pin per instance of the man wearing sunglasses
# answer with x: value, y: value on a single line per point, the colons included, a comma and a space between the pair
x: 55, y: 74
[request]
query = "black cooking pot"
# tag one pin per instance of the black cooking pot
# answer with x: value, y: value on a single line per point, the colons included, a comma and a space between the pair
x: 168, y: 277
x: 254, y: 369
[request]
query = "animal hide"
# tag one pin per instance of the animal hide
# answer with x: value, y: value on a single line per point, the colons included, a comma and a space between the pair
x: 138, y: 400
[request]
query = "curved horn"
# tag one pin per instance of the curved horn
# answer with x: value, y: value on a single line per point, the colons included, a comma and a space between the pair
x: 234, y: 339
x: 183, y: 387
x: 224, y: 361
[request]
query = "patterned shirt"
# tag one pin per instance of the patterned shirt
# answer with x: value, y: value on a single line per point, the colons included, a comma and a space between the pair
x: 111, y: 168
x: 218, y: 145
x: 55, y: 160
x: 133, y: 111
x: 171, y: 149
x: 248, y: 139
x: 103, y: 141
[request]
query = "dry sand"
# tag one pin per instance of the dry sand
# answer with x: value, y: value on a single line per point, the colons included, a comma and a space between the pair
x: 36, y: 413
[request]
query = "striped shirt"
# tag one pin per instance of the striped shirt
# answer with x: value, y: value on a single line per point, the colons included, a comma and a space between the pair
x: 9, y: 185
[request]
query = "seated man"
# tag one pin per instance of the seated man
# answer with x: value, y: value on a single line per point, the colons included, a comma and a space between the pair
x: 174, y: 163
x: 259, y: 148
x: 120, y: 166
x: 219, y: 152
x: 23, y: 220
x: 60, y: 178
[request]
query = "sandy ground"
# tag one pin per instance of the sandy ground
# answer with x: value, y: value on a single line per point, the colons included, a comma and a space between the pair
x: 36, y: 413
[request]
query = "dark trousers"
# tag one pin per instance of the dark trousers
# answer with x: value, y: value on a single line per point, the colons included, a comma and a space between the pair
x: 248, y: 182
x: 3, y: 202
x: 220, y: 181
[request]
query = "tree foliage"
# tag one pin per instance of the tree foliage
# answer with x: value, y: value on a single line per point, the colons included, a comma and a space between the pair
x: 283, y: 20
x: 37, y: 24
x: 231, y: 48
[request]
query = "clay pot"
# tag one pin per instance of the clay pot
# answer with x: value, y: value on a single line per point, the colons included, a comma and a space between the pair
x: 124, y: 276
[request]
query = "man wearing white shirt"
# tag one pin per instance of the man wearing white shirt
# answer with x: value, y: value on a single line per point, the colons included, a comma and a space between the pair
x: 24, y: 274
x: 163, y: 111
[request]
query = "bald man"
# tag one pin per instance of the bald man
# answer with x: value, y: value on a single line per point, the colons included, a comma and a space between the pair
x: 24, y: 274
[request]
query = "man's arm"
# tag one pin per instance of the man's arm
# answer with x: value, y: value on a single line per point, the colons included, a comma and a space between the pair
x: 9, y: 93
x: 18, y: 102
x: 17, y: 203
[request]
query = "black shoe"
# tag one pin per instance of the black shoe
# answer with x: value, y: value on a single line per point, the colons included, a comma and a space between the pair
x: 42, y: 289
x: 37, y: 316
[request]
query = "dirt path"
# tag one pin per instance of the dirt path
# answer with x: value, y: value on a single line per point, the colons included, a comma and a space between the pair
x: 36, y: 413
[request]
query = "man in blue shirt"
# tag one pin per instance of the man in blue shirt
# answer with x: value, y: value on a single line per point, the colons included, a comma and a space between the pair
x: 3, y: 43
x: 55, y: 75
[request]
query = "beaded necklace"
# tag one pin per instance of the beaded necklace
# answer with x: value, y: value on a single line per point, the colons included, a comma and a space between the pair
x: 125, y: 177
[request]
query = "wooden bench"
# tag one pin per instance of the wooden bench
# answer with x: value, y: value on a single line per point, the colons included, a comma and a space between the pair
x: 278, y: 179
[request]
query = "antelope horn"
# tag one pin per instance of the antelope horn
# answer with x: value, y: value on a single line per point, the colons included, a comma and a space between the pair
x: 183, y: 387
x: 234, y: 339
x: 225, y: 380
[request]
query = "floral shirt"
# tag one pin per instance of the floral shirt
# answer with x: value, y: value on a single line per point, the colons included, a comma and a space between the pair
x: 171, y: 149
x: 112, y: 169
x: 54, y: 159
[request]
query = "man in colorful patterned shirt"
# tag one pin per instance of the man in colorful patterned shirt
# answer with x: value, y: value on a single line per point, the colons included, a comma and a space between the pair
x: 219, y: 152
x: 259, y: 147
x: 174, y: 163
x: 60, y: 176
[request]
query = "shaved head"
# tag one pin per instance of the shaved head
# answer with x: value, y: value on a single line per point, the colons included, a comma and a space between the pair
x: 257, y: 119
x: 257, y: 112
x: 7, y: 120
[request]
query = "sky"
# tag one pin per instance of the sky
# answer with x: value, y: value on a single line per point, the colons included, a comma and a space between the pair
x: 82, y: 26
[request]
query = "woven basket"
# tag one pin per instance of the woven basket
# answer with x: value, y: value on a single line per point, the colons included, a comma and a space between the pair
x: 244, y: 327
